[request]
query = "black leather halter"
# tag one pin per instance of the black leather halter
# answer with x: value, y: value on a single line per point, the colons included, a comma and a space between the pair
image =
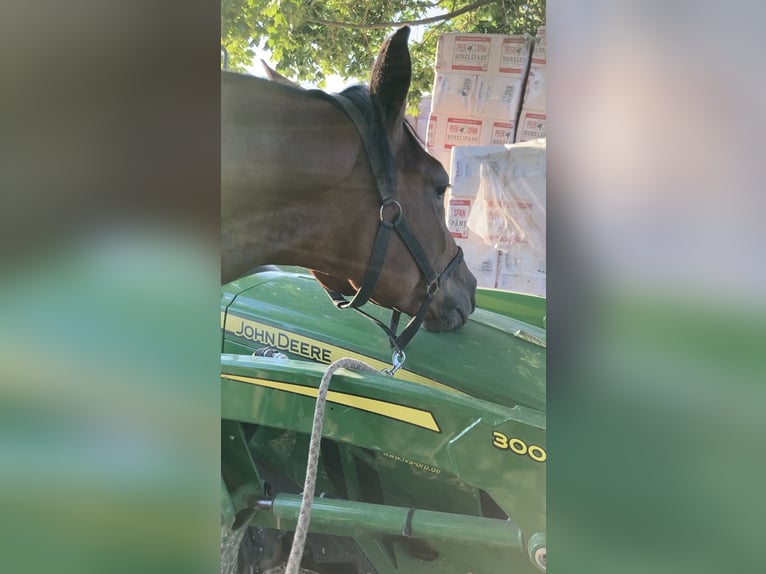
x: 368, y: 122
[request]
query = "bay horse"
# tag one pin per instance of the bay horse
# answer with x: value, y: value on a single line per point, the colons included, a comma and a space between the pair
x: 301, y: 186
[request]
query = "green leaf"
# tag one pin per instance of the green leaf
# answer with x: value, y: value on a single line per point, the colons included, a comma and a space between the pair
x: 310, y: 51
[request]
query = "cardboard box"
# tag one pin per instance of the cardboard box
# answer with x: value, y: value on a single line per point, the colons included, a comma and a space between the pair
x: 530, y: 284
x: 539, y: 51
x: 465, y: 168
x: 446, y: 132
x: 464, y: 52
x: 497, y: 96
x: 519, y: 261
x: 463, y: 132
x: 501, y: 133
x: 484, y: 53
x: 534, y: 93
x: 532, y: 125
x: 525, y: 236
x: 458, y: 209
x: 454, y: 94
x: 478, y: 89
x: 521, y: 169
x: 431, y: 136
x: 480, y: 259
x: 521, y: 271
x: 521, y: 159
x: 515, y: 54
x: 513, y: 163
x: 486, y: 96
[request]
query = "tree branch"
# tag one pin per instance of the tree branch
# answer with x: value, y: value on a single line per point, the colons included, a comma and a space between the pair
x: 463, y: 10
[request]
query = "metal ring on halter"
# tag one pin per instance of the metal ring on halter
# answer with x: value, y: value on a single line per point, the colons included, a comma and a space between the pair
x: 432, y: 287
x: 398, y: 217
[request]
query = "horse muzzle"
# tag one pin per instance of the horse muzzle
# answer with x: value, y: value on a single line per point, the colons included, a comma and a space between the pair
x: 453, y: 303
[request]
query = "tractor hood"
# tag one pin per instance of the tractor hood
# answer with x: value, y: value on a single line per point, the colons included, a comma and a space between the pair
x: 493, y: 357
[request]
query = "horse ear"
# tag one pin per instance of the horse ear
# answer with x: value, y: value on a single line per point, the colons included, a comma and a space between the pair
x: 391, y: 77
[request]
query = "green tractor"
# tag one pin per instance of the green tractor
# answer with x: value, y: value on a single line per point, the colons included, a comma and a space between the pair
x: 439, y: 468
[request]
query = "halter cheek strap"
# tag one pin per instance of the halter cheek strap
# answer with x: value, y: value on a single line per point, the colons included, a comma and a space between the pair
x: 379, y: 154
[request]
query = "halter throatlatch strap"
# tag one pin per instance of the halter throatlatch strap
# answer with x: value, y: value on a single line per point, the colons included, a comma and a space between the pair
x: 369, y: 124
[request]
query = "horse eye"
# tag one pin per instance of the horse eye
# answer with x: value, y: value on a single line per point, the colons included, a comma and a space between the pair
x: 441, y: 190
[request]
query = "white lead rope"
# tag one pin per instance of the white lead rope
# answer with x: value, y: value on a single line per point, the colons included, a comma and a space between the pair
x: 302, y: 526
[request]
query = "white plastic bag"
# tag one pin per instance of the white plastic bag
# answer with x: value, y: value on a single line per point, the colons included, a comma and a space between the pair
x: 506, y: 214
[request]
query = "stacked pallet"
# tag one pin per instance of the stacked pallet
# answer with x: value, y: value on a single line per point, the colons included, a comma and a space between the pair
x: 477, y: 91
x: 496, y: 213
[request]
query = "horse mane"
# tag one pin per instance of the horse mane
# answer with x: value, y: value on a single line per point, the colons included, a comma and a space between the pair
x: 358, y: 94
x: 414, y: 134
x: 361, y: 98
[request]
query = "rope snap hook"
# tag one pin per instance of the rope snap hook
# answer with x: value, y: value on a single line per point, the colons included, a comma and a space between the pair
x: 397, y: 361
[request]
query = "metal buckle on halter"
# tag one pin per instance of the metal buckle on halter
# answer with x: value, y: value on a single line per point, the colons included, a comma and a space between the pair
x: 397, y: 361
x: 398, y: 217
x: 432, y: 287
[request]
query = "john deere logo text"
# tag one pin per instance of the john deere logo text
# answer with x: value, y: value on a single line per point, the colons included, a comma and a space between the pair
x: 283, y: 342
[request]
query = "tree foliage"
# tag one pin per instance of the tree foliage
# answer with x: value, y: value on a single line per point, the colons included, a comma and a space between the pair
x: 311, y: 39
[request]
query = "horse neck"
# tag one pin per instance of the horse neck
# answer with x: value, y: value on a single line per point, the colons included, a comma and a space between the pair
x: 310, y: 228
x: 275, y: 137
x: 283, y: 175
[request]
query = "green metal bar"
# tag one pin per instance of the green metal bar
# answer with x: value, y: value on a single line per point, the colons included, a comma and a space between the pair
x: 227, y: 507
x: 521, y: 306
x: 351, y: 517
x: 536, y: 550
x: 348, y: 463
x: 238, y: 465
x: 245, y: 496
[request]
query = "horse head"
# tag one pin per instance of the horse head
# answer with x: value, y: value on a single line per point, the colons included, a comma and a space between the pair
x: 421, y: 183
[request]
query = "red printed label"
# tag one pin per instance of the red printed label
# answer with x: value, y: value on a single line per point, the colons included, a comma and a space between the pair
x: 462, y: 132
x: 513, y: 57
x: 499, y: 214
x: 533, y: 126
x: 471, y: 53
x: 457, y: 217
x: 502, y: 133
x: 431, y: 134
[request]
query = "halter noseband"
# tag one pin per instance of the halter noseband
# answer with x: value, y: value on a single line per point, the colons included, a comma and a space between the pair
x: 381, y: 161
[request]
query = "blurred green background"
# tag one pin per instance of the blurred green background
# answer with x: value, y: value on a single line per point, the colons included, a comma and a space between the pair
x: 109, y: 403
x: 109, y: 287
